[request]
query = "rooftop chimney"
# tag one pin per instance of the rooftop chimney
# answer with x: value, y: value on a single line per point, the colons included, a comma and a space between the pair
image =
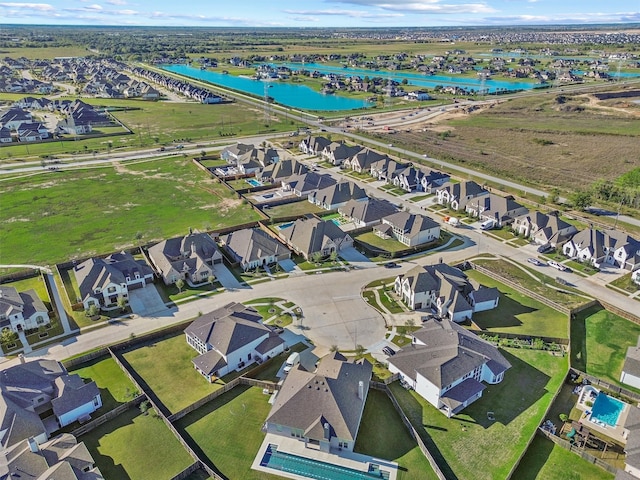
x: 361, y: 390
x: 33, y: 445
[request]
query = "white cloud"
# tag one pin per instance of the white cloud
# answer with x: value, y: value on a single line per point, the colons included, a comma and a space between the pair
x: 40, y: 7
x: 421, y: 6
x: 344, y: 13
x: 117, y: 2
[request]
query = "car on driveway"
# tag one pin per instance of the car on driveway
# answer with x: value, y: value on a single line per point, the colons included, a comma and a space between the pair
x: 545, y: 248
x: 557, y: 265
x: 535, y: 261
x: 388, y: 351
x: 391, y: 265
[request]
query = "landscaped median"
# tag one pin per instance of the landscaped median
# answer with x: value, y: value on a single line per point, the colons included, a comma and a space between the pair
x: 470, y: 445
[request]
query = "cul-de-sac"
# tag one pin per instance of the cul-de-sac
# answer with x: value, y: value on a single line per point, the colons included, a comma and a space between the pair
x: 350, y: 240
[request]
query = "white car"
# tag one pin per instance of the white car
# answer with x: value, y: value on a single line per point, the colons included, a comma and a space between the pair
x: 557, y: 265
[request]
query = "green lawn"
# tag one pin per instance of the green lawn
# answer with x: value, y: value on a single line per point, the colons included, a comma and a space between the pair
x: 87, y: 212
x: 388, y: 245
x: 469, y: 445
x: 599, y: 342
x: 547, y: 461
x: 136, y: 447
x: 166, y: 367
x: 292, y: 209
x: 36, y: 283
x: 519, y: 314
x: 115, y: 387
x: 236, y: 419
x: 625, y: 283
x: 383, y: 435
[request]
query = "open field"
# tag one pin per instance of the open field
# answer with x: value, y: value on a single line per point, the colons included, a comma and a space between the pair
x: 117, y: 445
x: 552, y: 142
x: 383, y: 435
x: 99, y: 210
x: 115, y: 387
x: 519, y: 314
x: 45, y: 52
x: 237, y: 417
x: 599, y: 342
x: 165, y: 365
x: 461, y: 444
x: 547, y: 461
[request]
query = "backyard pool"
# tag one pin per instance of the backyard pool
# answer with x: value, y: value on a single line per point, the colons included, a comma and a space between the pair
x: 606, y: 410
x: 285, y: 225
x: 307, y: 467
x: 253, y: 182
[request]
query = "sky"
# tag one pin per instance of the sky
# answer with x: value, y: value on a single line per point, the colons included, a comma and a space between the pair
x: 319, y: 13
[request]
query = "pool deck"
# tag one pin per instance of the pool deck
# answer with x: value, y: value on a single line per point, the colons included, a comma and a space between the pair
x: 615, y: 433
x: 347, y: 459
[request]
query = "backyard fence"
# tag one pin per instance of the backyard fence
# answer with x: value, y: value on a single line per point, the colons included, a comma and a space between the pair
x: 608, y: 386
x: 187, y: 471
x: 21, y: 275
x: 204, y: 400
x: 110, y: 415
x: 86, y: 358
x: 515, y: 336
x: 577, y: 450
x: 621, y: 313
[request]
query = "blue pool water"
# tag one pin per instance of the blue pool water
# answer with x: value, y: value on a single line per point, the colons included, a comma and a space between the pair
x: 285, y: 225
x: 253, y: 182
x: 296, y: 96
x: 336, y: 221
x: 607, y: 409
x: 317, y: 470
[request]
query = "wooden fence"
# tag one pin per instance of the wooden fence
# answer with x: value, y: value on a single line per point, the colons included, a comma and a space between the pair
x: 21, y: 275
x: 187, y: 471
x: 110, y: 415
x: 606, y: 385
x: 204, y: 400
x: 577, y: 450
x: 622, y: 313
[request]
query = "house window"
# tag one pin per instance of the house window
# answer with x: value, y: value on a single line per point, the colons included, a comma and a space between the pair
x: 96, y: 402
x: 128, y: 279
x: 111, y: 289
x: 39, y: 320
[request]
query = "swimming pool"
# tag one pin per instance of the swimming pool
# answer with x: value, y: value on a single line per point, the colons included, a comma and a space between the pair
x: 607, y: 409
x: 307, y: 467
x: 253, y: 182
x: 285, y: 225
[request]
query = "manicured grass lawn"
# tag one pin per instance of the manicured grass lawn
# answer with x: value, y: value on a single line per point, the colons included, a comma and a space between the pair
x: 235, y: 419
x: 86, y: 212
x: 504, y: 233
x: 291, y: 209
x: 136, y: 447
x: 166, y: 367
x: 469, y: 445
x: 581, y: 267
x: 388, y: 245
x: 625, y: 283
x: 519, y: 314
x: 521, y: 275
x: 599, y: 342
x: 171, y: 293
x: 545, y: 460
x: 383, y: 435
x: 115, y: 387
x: 36, y: 283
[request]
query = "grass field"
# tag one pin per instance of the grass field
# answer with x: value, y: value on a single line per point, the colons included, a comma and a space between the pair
x: 166, y: 367
x: 545, y: 460
x: 236, y: 417
x: 599, y: 342
x: 462, y: 444
x: 383, y: 435
x: 115, y: 387
x: 519, y: 314
x: 86, y: 212
x: 136, y: 447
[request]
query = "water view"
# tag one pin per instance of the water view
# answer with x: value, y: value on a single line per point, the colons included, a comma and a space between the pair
x: 296, y: 96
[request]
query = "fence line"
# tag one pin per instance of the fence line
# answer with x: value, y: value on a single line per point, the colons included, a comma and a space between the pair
x: 204, y: 400
x: 110, y: 415
x: 577, y: 450
x: 618, y: 311
x: 21, y: 275
x: 609, y: 386
x: 516, y: 336
x: 187, y: 471
x: 86, y: 358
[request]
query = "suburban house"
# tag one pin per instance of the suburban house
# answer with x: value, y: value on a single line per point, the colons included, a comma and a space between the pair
x: 446, y: 365
x: 337, y: 195
x: 408, y: 179
x: 304, y: 184
x: 312, y: 145
x: 445, y: 289
x: 362, y: 160
x: 367, y: 212
x: 13, y: 117
x: 21, y: 311
x: 229, y: 339
x: 253, y: 248
x: 5, y: 135
x: 232, y: 153
x: 385, y: 168
x: 635, y: 276
x: 61, y: 458
x: 631, y: 369
x: 632, y: 447
x: 102, y: 281
x: 337, y: 152
x: 408, y: 228
x: 276, y: 172
x: 309, y: 236
x: 191, y: 258
x: 324, y: 408
x: 544, y: 228
x: 431, y: 180
x: 502, y: 210
x: 31, y: 389
x: 598, y: 247
x: 458, y: 195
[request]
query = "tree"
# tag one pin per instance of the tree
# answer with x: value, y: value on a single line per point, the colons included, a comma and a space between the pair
x: 563, y: 417
x: 581, y: 199
x: 8, y: 336
x: 122, y: 303
x: 211, y: 279
x: 334, y: 349
x: 93, y: 310
x: 180, y: 284
x: 360, y: 351
x: 315, y: 257
x: 333, y: 256
x: 410, y: 322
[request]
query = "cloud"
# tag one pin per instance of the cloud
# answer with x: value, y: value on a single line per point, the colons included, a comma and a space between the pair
x: 39, y: 7
x: 117, y: 2
x: 569, y: 18
x: 421, y: 6
x: 343, y: 13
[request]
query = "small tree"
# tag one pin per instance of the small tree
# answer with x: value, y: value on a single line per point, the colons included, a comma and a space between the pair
x: 93, y: 310
x: 333, y: 256
x: 360, y: 351
x: 211, y: 279
x: 180, y: 284
x: 144, y: 407
x: 410, y: 322
x: 315, y: 257
x: 122, y: 303
x: 563, y: 417
x: 8, y: 336
x: 334, y: 349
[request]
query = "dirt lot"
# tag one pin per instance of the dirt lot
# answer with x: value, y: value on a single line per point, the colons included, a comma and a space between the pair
x: 555, y: 140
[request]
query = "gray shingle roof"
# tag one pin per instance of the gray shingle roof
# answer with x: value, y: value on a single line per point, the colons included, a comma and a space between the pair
x: 252, y: 244
x: 367, y: 211
x: 456, y: 396
x: 632, y: 360
x: 410, y: 223
x: 307, y: 400
x: 72, y: 393
x: 309, y: 235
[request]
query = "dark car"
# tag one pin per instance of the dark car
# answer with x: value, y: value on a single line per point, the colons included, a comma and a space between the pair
x: 388, y: 351
x: 391, y: 265
x: 545, y: 248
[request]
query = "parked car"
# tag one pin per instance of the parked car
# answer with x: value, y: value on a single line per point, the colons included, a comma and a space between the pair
x: 535, y: 261
x: 545, y: 248
x: 391, y: 265
x: 557, y: 265
x: 388, y: 351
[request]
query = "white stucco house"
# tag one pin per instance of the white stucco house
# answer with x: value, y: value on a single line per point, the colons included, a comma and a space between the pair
x: 21, y: 310
x: 446, y: 365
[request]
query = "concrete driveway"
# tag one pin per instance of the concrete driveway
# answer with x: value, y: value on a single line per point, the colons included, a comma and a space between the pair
x: 354, y: 257
x: 145, y: 301
x: 226, y: 278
